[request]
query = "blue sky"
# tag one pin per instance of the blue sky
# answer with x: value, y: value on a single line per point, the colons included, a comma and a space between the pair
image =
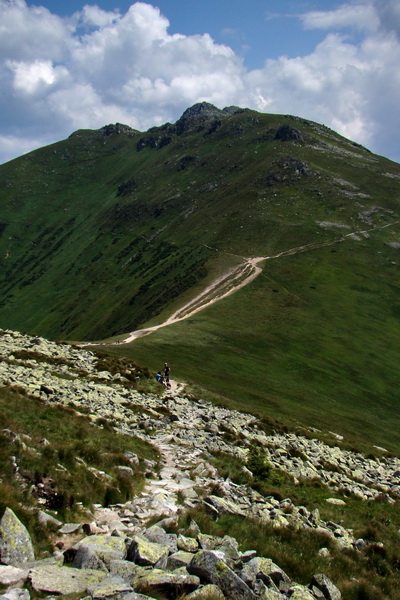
x: 255, y: 29
x: 66, y: 65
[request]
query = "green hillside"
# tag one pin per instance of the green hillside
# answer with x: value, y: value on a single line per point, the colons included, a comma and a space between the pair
x: 111, y: 230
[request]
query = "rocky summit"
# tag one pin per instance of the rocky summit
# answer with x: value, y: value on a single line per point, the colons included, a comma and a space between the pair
x: 126, y: 550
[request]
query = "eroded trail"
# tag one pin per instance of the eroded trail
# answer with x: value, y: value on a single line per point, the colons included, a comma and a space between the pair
x: 233, y: 280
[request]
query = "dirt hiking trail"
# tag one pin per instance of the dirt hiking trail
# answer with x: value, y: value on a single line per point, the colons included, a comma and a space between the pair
x: 231, y: 281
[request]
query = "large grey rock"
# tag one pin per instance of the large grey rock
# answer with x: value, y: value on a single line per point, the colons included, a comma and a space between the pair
x: 206, y: 565
x: 228, y: 545
x: 324, y: 584
x: 63, y: 580
x: 178, y: 559
x: 171, y: 584
x: 110, y: 587
x: 264, y: 569
x: 299, y: 592
x: 86, y: 558
x: 157, y: 535
x: 16, y: 594
x: 206, y: 592
x: 187, y: 544
x: 10, y: 575
x: 124, y: 568
x: 48, y: 520
x: 146, y: 553
x: 221, y: 506
x: 106, y: 547
x: 15, y: 542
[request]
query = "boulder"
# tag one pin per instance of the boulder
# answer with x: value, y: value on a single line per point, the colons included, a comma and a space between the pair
x: 145, y: 553
x: 178, y: 559
x: 10, y: 575
x: 15, y: 542
x: 221, y: 506
x: 106, y: 547
x: 264, y: 569
x: 187, y: 544
x: 86, y: 558
x: 157, y: 535
x: 110, y: 587
x: 206, y: 592
x: 16, y: 594
x: 161, y: 582
x: 124, y: 568
x: 227, y: 544
x: 324, y: 584
x: 206, y: 565
x: 299, y: 592
x: 70, y: 528
x: 63, y: 580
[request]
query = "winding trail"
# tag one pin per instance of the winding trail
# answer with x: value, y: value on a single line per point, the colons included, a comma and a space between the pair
x: 232, y: 281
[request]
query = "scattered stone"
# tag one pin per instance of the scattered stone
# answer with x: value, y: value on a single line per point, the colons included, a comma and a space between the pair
x: 48, y: 520
x: 70, y: 528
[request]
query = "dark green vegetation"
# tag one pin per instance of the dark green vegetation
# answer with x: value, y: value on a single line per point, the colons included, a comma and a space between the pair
x: 60, y: 454
x: 114, y: 229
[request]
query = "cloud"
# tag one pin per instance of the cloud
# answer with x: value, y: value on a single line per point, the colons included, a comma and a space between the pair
x: 360, y: 16
x: 58, y: 75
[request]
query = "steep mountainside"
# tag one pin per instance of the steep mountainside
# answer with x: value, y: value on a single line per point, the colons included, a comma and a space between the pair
x: 102, y: 231
x: 114, y: 229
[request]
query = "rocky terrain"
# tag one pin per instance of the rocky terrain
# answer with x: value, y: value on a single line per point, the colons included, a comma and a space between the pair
x: 115, y: 553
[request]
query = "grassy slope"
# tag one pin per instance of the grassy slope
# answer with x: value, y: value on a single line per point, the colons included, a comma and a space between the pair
x: 319, y: 352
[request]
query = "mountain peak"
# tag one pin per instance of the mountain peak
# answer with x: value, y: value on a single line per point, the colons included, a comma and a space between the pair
x: 201, y: 112
x: 202, y: 109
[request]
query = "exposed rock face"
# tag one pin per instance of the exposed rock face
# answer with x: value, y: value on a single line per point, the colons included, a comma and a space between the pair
x: 286, y: 133
x: 116, y: 129
x: 199, y: 114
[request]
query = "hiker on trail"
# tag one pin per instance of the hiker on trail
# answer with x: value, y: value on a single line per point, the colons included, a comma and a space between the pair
x: 158, y: 376
x: 167, y: 369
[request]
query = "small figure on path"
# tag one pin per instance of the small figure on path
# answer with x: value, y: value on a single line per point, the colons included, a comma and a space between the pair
x: 159, y: 376
x: 167, y: 369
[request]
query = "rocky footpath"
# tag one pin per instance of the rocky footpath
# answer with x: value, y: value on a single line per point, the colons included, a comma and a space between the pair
x: 117, y: 555
x: 148, y: 561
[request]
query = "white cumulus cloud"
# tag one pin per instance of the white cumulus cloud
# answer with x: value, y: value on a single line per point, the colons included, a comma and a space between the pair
x: 60, y: 74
